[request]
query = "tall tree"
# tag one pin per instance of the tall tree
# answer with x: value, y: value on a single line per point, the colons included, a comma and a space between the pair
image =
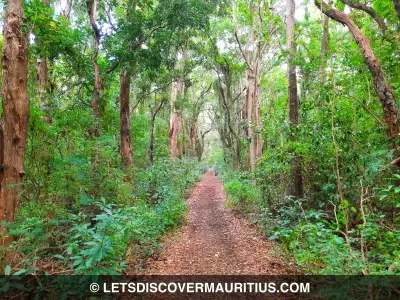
x: 156, y: 109
x: 125, y: 124
x: 381, y: 86
x: 43, y: 78
x: 225, y: 114
x: 92, y: 11
x: 178, y: 86
x: 14, y: 121
x: 192, y: 122
x: 296, y: 189
x: 66, y: 12
x: 252, y: 54
x: 324, y: 46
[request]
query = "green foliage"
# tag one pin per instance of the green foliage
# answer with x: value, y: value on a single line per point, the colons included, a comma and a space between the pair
x: 314, y: 238
x: 81, y: 211
x: 318, y: 248
x: 242, y: 190
x: 53, y: 35
x: 96, y: 239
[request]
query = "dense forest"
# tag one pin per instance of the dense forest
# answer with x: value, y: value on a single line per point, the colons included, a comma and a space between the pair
x: 112, y: 111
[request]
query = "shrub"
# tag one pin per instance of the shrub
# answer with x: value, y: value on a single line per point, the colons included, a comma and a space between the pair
x: 95, y: 240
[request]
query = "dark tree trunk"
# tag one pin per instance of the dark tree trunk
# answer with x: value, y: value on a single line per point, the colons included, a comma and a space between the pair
x: 15, y: 116
x: 193, y: 138
x: 151, y: 144
x: 397, y: 7
x: 296, y: 188
x: 125, y: 124
x: 152, y: 124
x: 382, y: 88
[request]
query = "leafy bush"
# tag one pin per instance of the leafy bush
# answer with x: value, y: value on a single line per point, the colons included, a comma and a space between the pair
x: 314, y: 238
x: 96, y: 240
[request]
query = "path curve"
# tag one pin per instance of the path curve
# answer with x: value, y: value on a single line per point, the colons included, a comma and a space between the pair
x: 215, y: 240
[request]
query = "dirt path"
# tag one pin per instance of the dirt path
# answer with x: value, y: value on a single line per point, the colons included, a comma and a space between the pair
x: 215, y: 240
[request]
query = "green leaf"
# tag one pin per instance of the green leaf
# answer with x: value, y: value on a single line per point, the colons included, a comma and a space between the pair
x: 340, y: 5
x: 19, y: 272
x: 7, y: 270
x: 84, y: 200
x: 6, y: 286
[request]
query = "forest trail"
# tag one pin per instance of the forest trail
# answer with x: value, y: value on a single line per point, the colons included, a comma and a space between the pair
x: 215, y: 240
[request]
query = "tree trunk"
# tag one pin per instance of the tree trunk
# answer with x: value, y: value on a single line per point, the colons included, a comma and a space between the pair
x: 251, y: 95
x: 183, y: 140
x: 296, y: 189
x: 324, y: 47
x: 15, y: 115
x: 259, y: 141
x: 193, y: 137
x: 382, y: 88
x: 200, y: 145
x: 250, y: 131
x: 252, y: 56
x: 152, y: 124
x: 67, y: 10
x: 42, y: 74
x: 151, y: 143
x: 397, y: 7
x: 43, y: 86
x: 125, y: 124
x: 92, y: 11
x: 175, y: 118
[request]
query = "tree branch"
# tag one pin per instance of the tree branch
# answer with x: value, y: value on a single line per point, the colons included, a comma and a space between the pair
x: 369, y: 10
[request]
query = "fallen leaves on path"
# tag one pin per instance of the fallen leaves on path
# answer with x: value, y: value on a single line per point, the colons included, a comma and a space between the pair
x: 215, y: 240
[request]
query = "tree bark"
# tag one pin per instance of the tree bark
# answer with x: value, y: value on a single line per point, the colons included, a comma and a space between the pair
x: 226, y: 108
x: 251, y: 94
x: 250, y: 97
x: 92, y: 11
x: 252, y: 56
x: 125, y: 124
x: 296, y: 189
x: 193, y: 138
x: 152, y: 124
x: 175, y: 118
x: 257, y: 112
x: 15, y: 115
x: 43, y: 80
x: 397, y: 7
x: 151, y: 142
x: 42, y: 74
x: 67, y: 10
x: 382, y: 88
x: 324, y: 47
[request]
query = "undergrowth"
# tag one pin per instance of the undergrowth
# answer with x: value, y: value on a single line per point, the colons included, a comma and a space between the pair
x: 314, y: 238
x: 92, y: 235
